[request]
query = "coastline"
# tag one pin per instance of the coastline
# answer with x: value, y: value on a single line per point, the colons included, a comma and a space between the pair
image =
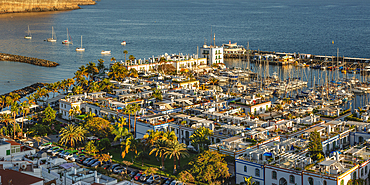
x: 23, y: 6
x: 26, y: 90
x: 29, y: 60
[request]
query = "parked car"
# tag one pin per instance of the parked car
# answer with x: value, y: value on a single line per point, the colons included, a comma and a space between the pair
x: 160, y: 181
x: 71, y: 157
x: 132, y: 174
x: 168, y: 181
x: 180, y: 183
x: 70, y: 154
x: 106, y: 166
x: 56, y: 152
x: 28, y: 143
x: 144, y: 177
x: 96, y: 164
x: 87, y: 161
x: 151, y: 179
x: 45, y: 145
x: 112, y: 167
x: 91, y: 162
x: 52, y: 149
x: 81, y: 159
x: 137, y: 176
x: 61, y: 154
x: 174, y: 182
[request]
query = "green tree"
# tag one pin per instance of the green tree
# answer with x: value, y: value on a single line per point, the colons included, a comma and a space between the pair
x: 248, y: 181
x: 151, y: 171
x: 50, y: 115
x: 104, y: 144
x: 209, y: 167
x: 315, y: 146
x: 90, y: 147
x: 125, y: 52
x: 200, y: 137
x: 135, y: 109
x: 72, y: 134
x: 157, y: 94
x: 99, y: 126
x: 185, y: 177
x: 25, y: 109
x: 14, y: 109
x: 74, y: 111
x: 176, y: 150
x: 160, y: 148
x: 130, y: 144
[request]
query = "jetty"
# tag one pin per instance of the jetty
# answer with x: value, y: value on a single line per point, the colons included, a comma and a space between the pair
x: 29, y: 60
x: 27, y: 90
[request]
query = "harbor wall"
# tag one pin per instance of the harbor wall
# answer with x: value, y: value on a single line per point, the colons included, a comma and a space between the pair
x: 29, y: 60
x: 14, y: 6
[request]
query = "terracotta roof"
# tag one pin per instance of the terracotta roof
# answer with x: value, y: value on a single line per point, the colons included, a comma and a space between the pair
x: 97, y: 184
x: 12, y: 142
x: 17, y: 177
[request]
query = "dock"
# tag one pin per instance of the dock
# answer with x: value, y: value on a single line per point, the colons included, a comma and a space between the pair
x: 29, y: 60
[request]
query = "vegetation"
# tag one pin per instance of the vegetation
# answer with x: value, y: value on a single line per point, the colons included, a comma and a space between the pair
x: 201, y: 137
x: 315, y: 146
x: 72, y: 135
x: 99, y: 126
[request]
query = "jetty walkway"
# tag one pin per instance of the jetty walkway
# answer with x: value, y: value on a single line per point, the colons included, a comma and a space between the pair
x: 29, y: 60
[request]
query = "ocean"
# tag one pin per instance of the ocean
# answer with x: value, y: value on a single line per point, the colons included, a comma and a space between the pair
x: 178, y: 26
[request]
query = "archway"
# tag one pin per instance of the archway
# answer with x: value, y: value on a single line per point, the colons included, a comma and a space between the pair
x: 282, y: 181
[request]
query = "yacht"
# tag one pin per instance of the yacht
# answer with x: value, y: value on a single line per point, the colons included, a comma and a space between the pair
x: 28, y: 36
x: 80, y: 48
x: 123, y: 43
x: 68, y: 37
x: 52, y: 36
x: 105, y: 52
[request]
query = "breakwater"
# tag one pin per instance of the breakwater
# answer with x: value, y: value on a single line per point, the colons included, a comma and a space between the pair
x: 15, y: 6
x: 29, y: 60
x: 26, y: 90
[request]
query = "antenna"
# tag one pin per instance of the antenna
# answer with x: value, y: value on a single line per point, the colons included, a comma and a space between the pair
x: 214, y: 40
x: 211, y: 36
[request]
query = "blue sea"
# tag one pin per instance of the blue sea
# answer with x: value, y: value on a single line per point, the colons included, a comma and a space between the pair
x: 179, y: 26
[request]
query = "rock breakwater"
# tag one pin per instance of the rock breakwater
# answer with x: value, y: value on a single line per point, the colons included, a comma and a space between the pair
x: 15, y: 6
x: 29, y: 60
x: 27, y: 90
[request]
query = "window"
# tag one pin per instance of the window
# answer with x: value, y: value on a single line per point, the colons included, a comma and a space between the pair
x: 325, y: 182
x: 8, y: 152
x: 365, y: 169
x: 245, y: 168
x: 354, y: 175
x: 291, y: 179
x: 257, y: 183
x: 342, y: 182
x: 257, y: 172
x: 362, y: 172
x: 274, y: 175
x: 310, y: 180
x: 282, y: 181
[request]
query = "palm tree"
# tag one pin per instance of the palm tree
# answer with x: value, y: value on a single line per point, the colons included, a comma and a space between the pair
x: 72, y: 134
x: 105, y: 85
x: 175, y: 151
x: 100, y: 65
x: 157, y: 94
x: 2, y: 102
x: 127, y: 163
x: 25, y: 109
x: 15, y: 96
x: 151, y: 137
x: 31, y: 99
x: 125, y: 52
x: 5, y: 118
x: 15, y: 110
x: 75, y: 110
x: 169, y: 136
x: 77, y: 90
x: 135, y: 108
x: 213, y: 81
x: 248, y: 181
x: 128, y: 110
x: 131, y: 58
x: 151, y: 171
x: 131, y: 144
x: 37, y: 139
x: 160, y: 148
x: 200, y: 137
x: 91, y: 69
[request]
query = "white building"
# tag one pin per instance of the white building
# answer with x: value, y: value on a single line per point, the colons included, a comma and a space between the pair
x: 214, y: 54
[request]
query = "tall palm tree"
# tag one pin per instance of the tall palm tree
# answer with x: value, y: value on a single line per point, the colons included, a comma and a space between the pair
x: 125, y: 52
x: 8, y: 101
x: 130, y: 144
x: 135, y: 108
x: 128, y: 110
x: 92, y: 70
x: 72, y: 134
x: 2, y: 102
x: 74, y: 111
x: 5, y: 118
x: 15, y: 96
x: 151, y: 137
x: 151, y: 171
x: 15, y: 111
x: 160, y: 147
x: 100, y: 65
x: 157, y: 94
x: 77, y: 90
x: 169, y: 136
x: 30, y: 99
x: 213, y: 81
x: 200, y: 137
x: 25, y: 109
x: 175, y: 151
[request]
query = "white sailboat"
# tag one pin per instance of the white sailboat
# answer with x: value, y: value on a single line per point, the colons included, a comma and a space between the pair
x: 68, y: 37
x: 52, y: 36
x: 28, y: 36
x: 80, y: 48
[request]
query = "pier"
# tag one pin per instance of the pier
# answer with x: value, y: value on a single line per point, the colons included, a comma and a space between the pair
x: 29, y: 60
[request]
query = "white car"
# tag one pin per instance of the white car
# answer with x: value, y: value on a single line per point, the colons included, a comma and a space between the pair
x: 174, y: 182
x: 56, y: 152
x: 152, y: 179
x: 52, y: 149
x: 45, y: 145
x: 71, y: 157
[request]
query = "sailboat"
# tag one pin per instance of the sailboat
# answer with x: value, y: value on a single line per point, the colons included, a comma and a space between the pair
x: 80, y: 48
x: 28, y: 36
x: 68, y: 37
x: 52, y: 36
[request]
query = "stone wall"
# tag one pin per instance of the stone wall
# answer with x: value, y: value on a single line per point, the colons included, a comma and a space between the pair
x: 12, y: 6
x: 30, y: 60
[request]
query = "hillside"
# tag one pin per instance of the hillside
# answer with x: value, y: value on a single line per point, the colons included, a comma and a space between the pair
x: 12, y: 6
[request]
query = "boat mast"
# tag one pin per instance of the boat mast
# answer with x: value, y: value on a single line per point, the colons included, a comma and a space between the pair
x: 81, y: 41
